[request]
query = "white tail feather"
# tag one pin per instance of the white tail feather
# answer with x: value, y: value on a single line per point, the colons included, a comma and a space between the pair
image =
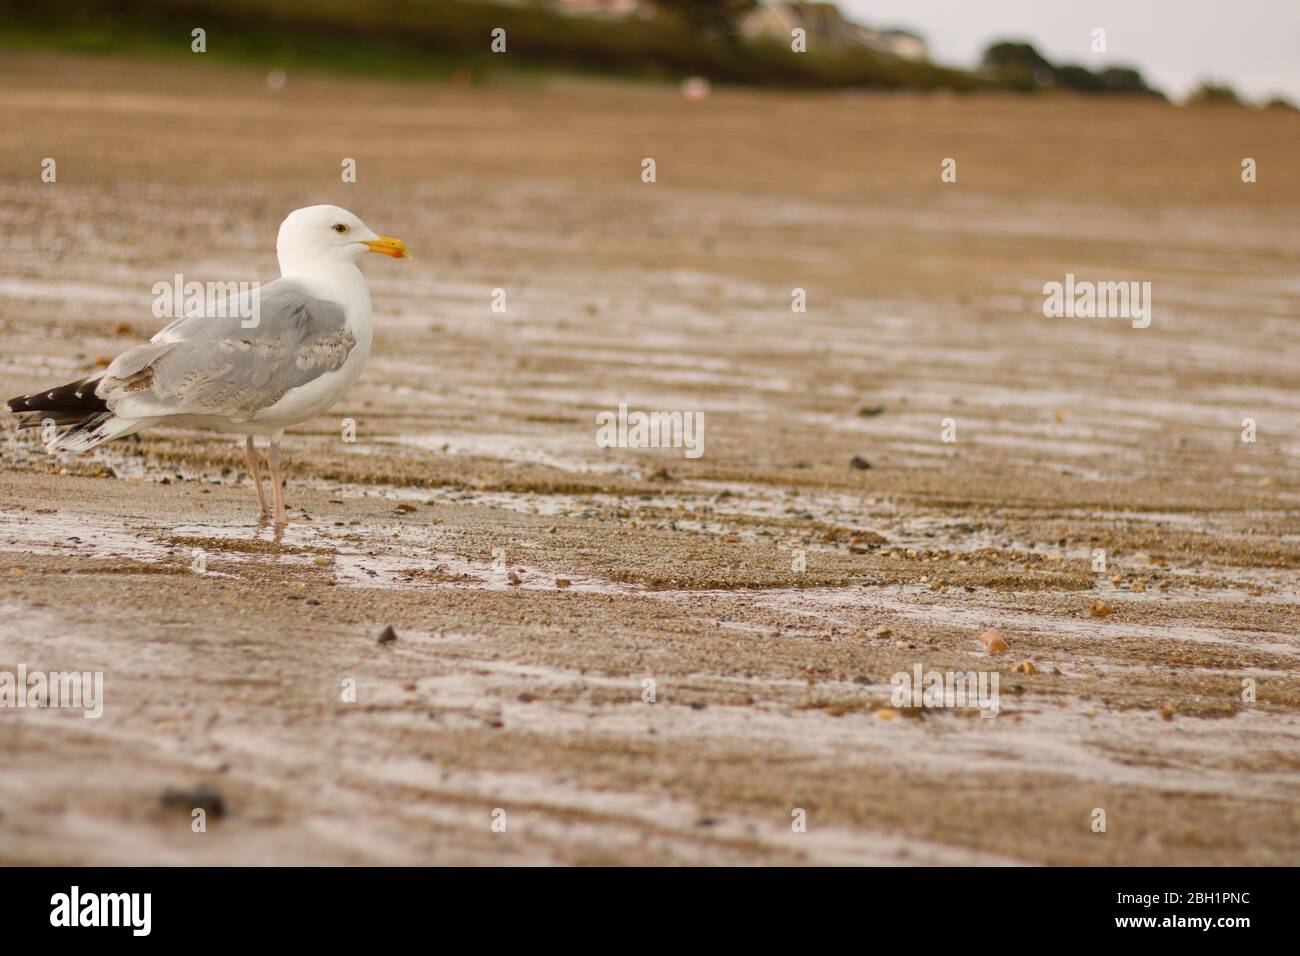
x: 95, y: 431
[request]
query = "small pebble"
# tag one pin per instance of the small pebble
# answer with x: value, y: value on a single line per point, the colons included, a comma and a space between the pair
x: 205, y: 797
x: 993, y: 642
x: 387, y: 635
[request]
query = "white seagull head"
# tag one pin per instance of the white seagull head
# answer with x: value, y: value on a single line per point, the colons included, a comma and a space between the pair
x: 327, y: 235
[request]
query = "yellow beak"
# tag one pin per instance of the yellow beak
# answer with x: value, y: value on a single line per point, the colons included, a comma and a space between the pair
x: 389, y: 247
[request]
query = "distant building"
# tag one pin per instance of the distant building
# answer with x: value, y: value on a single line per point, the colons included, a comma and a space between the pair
x: 900, y: 43
x: 827, y: 29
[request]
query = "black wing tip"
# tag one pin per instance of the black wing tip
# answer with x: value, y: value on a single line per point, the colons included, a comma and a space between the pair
x: 78, y: 396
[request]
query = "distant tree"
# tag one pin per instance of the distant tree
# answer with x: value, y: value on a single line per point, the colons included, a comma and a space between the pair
x: 713, y: 16
x: 1018, y: 64
x: 1079, y: 78
x: 1280, y: 103
x: 1115, y: 79
x: 1126, y: 79
x: 1212, y: 93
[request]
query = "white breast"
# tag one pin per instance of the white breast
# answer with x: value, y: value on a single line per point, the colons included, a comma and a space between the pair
x: 315, y: 398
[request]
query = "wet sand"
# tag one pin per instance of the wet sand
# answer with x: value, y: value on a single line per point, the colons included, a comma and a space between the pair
x: 475, y: 459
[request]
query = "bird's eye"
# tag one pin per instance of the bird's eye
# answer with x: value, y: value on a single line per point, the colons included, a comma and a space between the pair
x: 339, y: 227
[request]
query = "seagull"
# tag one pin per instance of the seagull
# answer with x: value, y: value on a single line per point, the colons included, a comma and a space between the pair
x: 273, y: 357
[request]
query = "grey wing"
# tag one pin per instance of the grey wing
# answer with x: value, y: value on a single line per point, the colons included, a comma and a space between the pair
x: 212, y: 364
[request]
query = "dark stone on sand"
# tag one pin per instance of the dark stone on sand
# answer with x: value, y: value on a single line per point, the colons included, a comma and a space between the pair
x: 387, y: 635
x: 860, y: 463
x: 203, y: 797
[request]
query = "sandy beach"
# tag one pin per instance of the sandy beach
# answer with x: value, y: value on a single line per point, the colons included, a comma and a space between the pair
x: 768, y: 589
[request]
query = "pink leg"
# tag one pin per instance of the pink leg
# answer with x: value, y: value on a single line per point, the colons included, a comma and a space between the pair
x: 250, y: 456
x: 273, y: 463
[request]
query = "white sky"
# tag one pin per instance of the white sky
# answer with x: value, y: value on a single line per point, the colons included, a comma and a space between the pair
x: 1252, y: 44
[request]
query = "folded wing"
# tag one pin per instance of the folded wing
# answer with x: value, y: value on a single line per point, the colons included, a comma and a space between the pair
x: 231, y: 361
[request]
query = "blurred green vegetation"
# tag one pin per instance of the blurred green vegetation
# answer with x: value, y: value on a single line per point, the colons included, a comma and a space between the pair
x: 1018, y: 65
x: 439, y: 38
x: 422, y: 39
x: 1213, y: 93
